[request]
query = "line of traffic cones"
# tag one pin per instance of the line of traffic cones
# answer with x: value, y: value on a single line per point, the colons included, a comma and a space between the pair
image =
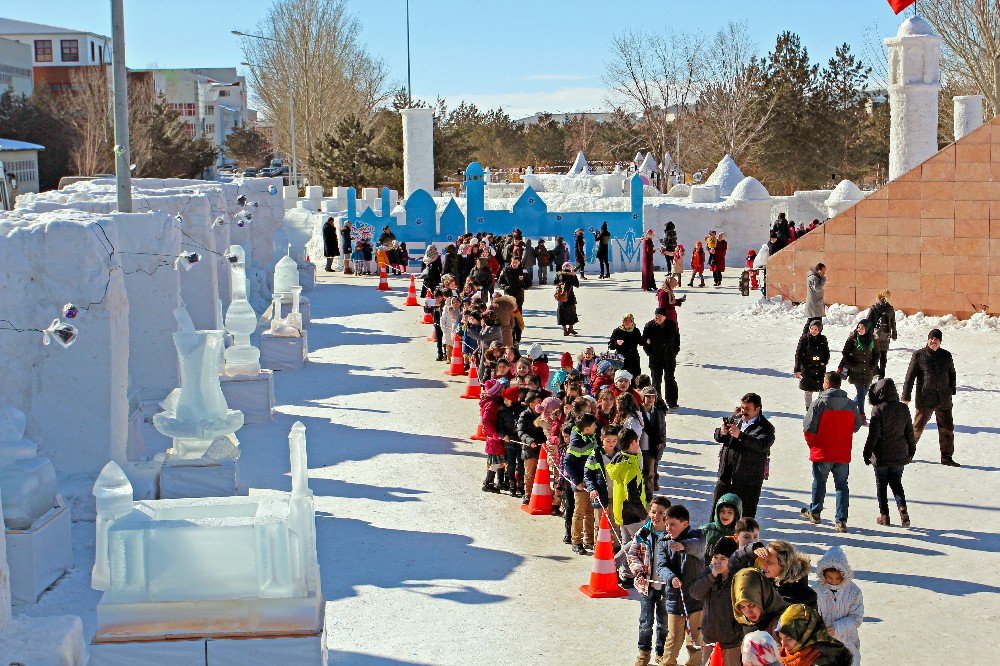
x: 603, y: 574
x: 383, y: 280
x: 541, y: 489
x: 411, y: 294
x: 473, y: 390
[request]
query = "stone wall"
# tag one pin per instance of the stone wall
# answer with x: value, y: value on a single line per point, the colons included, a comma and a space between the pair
x: 932, y: 237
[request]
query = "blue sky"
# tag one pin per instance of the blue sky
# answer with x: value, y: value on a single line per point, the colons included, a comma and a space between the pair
x: 532, y: 55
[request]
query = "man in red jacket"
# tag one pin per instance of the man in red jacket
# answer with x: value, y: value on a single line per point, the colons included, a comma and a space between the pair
x: 829, y: 425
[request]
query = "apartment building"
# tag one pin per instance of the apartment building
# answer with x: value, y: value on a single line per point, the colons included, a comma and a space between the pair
x: 15, y: 67
x: 57, y: 52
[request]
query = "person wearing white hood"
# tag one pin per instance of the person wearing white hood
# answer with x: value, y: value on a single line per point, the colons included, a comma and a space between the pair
x: 840, y: 601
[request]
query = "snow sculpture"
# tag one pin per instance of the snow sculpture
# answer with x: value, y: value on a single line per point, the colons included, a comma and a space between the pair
x: 196, y: 414
x: 750, y: 189
x: 28, y: 481
x: 845, y: 195
x: 206, y: 567
x: 648, y: 166
x: 637, y: 160
x: 35, y: 640
x: 418, y: 150
x: 580, y: 166
x: 968, y: 114
x: 242, y: 358
x: 294, y: 318
x: 298, y: 230
x: 286, y: 275
x: 914, y: 83
x: 726, y: 175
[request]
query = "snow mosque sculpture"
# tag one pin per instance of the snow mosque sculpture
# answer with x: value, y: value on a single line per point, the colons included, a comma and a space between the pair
x: 247, y: 387
x: 240, y: 568
x: 35, y: 640
x: 37, y: 523
x: 195, y: 417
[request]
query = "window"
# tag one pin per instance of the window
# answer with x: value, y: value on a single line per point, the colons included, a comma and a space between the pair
x: 209, y: 128
x: 100, y: 53
x: 24, y: 170
x: 92, y: 52
x: 184, y: 108
x: 43, y: 50
x: 223, y: 93
x: 189, y: 130
x: 70, y: 50
x: 209, y: 109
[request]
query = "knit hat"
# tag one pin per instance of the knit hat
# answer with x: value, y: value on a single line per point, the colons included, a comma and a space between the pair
x: 603, y: 367
x: 566, y: 359
x: 535, y: 351
x: 512, y: 393
x: 725, y: 546
x: 623, y: 374
x: 493, y: 387
x: 935, y: 333
x: 567, y: 267
x: 660, y: 311
x: 760, y: 649
x: 548, y: 405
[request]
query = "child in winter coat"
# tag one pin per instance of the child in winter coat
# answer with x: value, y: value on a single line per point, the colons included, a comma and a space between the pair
x: 679, y: 562
x: 507, y: 429
x: 559, y: 378
x: 539, y: 363
x: 550, y: 421
x: 532, y: 438
x: 728, y: 510
x: 582, y: 443
x: 358, y: 258
x: 489, y: 407
x: 595, y: 475
x: 587, y: 365
x: 628, y: 493
x: 890, y: 446
x: 368, y: 253
x: 641, y: 558
x: 451, y: 316
x: 677, y: 265
x: 841, y: 603
x: 714, y: 588
x: 382, y: 257
x: 697, y: 265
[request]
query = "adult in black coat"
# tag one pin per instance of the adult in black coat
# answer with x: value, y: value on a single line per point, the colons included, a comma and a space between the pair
x: 668, y: 243
x: 661, y: 340
x: 811, y: 357
x: 626, y: 340
x: 512, y: 279
x: 560, y: 253
x: 346, y: 246
x: 932, y: 370
x: 746, y: 445
x: 580, y: 253
x: 883, y: 318
x: 603, y: 240
x: 387, y: 236
x: 891, y: 444
x: 331, y: 246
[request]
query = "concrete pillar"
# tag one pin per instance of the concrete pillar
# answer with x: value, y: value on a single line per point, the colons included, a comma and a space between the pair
x: 418, y: 150
x: 914, y: 83
x: 968, y: 114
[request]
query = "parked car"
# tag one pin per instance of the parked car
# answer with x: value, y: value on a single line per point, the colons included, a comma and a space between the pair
x: 249, y: 173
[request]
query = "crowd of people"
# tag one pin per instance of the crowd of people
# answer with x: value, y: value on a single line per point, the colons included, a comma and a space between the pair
x: 603, y: 425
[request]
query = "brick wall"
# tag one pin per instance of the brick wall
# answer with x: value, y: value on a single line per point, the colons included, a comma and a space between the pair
x: 932, y: 237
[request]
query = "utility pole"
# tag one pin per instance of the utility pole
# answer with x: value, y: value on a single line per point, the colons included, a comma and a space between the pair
x: 119, y: 84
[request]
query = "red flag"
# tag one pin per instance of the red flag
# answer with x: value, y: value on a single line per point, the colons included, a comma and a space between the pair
x: 900, y: 5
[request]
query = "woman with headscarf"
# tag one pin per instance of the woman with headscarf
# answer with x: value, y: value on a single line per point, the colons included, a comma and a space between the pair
x: 669, y: 243
x: 580, y: 252
x: 626, y: 340
x: 860, y: 362
x: 648, y: 280
x: 756, y: 602
x: 566, y: 283
x: 719, y: 259
x: 883, y: 318
x: 806, y: 642
x: 431, y: 274
x: 603, y: 240
x: 345, y: 242
x: 331, y: 246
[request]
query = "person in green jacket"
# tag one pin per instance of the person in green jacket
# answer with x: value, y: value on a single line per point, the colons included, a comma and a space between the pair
x: 728, y: 510
x: 629, y: 505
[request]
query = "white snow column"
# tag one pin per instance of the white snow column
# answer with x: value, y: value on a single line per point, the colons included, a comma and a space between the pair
x: 914, y: 83
x: 580, y: 166
x: 968, y: 114
x: 418, y: 150
x: 727, y: 176
x: 74, y: 398
x: 845, y: 195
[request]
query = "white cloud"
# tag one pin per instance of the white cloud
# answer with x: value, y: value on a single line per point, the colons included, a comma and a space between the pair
x: 555, y: 77
x: 522, y: 104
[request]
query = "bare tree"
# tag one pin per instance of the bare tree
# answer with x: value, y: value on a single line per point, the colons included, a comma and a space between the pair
x: 89, y: 113
x: 316, y: 56
x: 971, y: 33
x: 656, y: 77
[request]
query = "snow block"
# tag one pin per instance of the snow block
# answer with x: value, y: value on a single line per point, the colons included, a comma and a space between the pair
x: 254, y: 396
x: 44, y: 641
x: 152, y: 653
x: 198, y: 478
x: 290, y: 650
x: 279, y: 353
x: 39, y: 556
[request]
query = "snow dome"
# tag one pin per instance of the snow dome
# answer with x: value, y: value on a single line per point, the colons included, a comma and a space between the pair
x: 750, y: 189
x: 916, y: 26
x: 845, y: 195
x: 727, y: 176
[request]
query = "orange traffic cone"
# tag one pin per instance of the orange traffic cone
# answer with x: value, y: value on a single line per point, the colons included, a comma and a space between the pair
x: 411, y: 295
x: 473, y: 391
x: 457, y: 367
x: 429, y: 309
x: 541, y: 491
x: 383, y: 282
x: 480, y: 436
x: 717, y: 658
x: 603, y: 574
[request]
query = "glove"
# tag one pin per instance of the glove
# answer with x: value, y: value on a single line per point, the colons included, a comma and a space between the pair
x: 868, y: 461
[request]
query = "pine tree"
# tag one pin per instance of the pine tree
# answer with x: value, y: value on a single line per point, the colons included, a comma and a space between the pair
x: 246, y: 145
x: 791, y: 154
x: 840, y: 112
x: 345, y: 157
x: 545, y: 141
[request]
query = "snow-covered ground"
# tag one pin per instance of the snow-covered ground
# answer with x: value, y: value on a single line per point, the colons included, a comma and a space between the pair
x: 420, y: 567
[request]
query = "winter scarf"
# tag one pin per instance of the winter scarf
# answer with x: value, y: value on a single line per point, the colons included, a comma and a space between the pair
x: 750, y: 586
x: 865, y: 341
x: 813, y: 644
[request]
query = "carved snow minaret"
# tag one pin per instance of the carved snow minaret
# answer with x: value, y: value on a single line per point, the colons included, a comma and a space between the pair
x: 914, y: 83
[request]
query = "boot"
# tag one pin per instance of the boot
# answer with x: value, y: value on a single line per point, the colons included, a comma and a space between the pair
x: 502, y: 480
x: 643, y: 658
x: 488, y: 486
x: 691, y: 282
x: 949, y: 462
x: 904, y: 517
x: 329, y: 264
x: 883, y: 520
x: 702, y: 282
x: 568, y: 538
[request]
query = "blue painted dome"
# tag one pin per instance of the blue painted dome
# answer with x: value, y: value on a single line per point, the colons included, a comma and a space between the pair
x: 474, y: 169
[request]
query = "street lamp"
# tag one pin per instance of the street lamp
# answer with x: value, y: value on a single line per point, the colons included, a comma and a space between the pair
x: 291, y: 102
